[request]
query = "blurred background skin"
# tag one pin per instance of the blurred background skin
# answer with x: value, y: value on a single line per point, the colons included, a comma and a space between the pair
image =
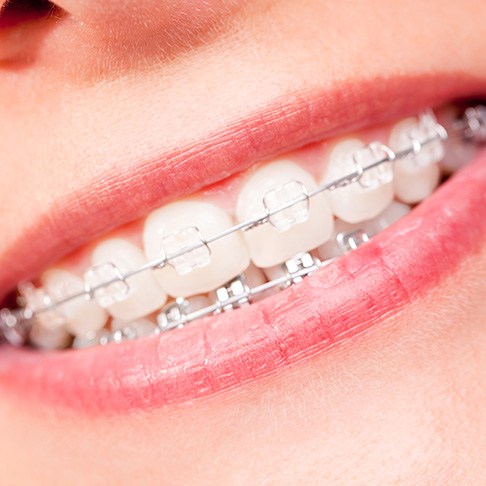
x: 98, y: 84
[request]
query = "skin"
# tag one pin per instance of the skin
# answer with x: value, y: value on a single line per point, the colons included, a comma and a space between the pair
x: 91, y: 90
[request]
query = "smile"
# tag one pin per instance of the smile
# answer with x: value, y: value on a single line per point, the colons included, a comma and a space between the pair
x: 279, y: 235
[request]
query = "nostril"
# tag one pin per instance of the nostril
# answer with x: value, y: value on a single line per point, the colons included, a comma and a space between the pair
x: 15, y: 12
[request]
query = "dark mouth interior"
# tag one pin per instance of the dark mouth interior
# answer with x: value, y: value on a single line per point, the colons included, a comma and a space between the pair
x: 16, y: 12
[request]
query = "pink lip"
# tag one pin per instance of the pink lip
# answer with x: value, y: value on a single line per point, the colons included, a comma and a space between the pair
x: 301, y: 118
x: 332, y: 306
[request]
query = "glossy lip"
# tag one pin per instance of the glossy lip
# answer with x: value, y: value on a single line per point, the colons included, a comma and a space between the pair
x: 226, y: 351
x: 283, y: 125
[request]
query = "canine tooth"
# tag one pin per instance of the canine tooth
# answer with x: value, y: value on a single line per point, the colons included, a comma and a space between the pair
x: 81, y: 315
x: 416, y: 176
x: 144, y: 292
x: 291, y: 231
x: 366, y: 198
x: 200, y: 270
x: 349, y: 236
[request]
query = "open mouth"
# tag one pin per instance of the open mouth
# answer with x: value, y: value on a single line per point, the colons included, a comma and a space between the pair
x: 257, y: 269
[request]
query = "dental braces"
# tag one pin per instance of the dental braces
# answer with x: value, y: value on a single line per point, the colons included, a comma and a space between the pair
x: 187, y: 250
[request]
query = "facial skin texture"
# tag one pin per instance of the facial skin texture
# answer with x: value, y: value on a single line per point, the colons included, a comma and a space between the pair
x: 93, y: 89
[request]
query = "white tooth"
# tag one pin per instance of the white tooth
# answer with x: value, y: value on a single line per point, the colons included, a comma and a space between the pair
x: 363, y: 200
x: 49, y: 339
x: 459, y: 152
x: 137, y: 328
x: 417, y: 176
x: 182, y: 224
x: 254, y: 276
x: 82, y: 316
x: 359, y: 232
x: 91, y: 339
x: 389, y: 216
x: 271, y: 244
x: 144, y: 292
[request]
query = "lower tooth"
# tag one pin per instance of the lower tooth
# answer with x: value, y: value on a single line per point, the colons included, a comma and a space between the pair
x: 134, y: 329
x: 367, y: 197
x: 304, y: 226
x: 82, y: 316
x: 145, y: 294
x: 174, y: 314
x: 182, y: 224
x: 350, y: 236
x: 417, y: 176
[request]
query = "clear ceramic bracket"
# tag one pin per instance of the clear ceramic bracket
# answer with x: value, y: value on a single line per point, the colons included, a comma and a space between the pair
x: 287, y: 205
x: 106, y: 284
x: 186, y: 250
x: 374, y: 162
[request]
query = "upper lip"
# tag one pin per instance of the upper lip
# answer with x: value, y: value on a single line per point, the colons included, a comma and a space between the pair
x: 285, y: 124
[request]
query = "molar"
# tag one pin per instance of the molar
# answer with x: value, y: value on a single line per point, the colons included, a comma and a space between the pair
x: 144, y: 292
x: 363, y: 200
x: 182, y: 224
x: 82, y: 316
x: 416, y: 176
x: 300, y: 228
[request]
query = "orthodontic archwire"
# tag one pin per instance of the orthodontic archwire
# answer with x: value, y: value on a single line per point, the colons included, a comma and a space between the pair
x: 188, y: 249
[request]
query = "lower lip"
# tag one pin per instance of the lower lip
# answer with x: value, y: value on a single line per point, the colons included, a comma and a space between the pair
x: 338, y: 302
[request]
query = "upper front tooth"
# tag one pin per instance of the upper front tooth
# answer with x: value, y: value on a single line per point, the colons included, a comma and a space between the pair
x: 82, y: 316
x: 186, y: 224
x: 144, y: 293
x: 367, y: 197
x: 301, y: 227
x: 416, y: 176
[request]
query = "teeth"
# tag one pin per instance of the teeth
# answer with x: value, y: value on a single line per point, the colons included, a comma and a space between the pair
x: 134, y: 329
x: 182, y: 225
x: 389, y: 216
x: 417, y: 176
x: 367, y: 197
x: 174, y: 314
x: 305, y: 225
x: 49, y: 339
x: 81, y: 315
x: 349, y: 236
x: 92, y: 339
x: 144, y: 293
